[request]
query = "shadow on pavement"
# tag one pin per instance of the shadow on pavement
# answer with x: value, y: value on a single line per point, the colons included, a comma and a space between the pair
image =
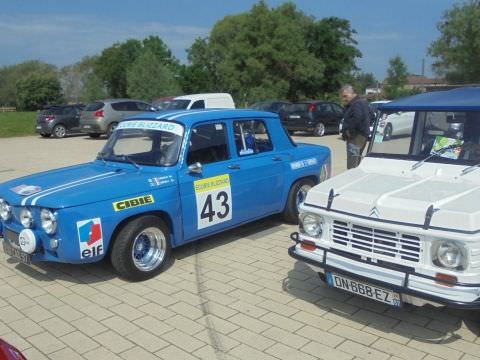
x: 426, y: 324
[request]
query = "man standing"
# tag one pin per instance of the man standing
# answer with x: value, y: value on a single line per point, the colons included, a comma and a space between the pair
x: 356, y: 125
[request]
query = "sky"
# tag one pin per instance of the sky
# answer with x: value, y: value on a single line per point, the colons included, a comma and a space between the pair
x: 61, y: 32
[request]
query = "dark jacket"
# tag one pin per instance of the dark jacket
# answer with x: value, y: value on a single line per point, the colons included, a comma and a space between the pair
x: 356, y: 119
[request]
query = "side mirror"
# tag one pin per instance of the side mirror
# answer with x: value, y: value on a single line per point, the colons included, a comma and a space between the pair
x: 195, y: 168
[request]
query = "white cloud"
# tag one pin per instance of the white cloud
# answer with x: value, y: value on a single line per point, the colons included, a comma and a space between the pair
x: 66, y: 39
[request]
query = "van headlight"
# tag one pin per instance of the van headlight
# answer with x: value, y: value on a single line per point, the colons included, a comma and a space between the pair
x: 311, y: 224
x: 49, y: 221
x: 5, y: 210
x: 449, y: 254
x: 26, y: 218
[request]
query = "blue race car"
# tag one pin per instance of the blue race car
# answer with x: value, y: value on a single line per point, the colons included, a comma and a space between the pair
x: 162, y: 180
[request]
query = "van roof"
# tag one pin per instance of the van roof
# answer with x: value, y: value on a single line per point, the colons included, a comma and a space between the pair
x: 202, y: 96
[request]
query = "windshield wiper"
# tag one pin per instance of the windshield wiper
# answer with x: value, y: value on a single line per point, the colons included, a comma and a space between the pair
x: 470, y: 169
x: 129, y: 159
x: 434, y: 154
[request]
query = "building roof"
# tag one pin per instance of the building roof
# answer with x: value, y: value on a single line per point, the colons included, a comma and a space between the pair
x: 460, y: 99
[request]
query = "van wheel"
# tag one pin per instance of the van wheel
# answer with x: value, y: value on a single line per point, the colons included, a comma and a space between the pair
x: 297, y: 195
x: 319, y: 129
x: 59, y: 131
x: 141, y: 248
x: 387, y: 132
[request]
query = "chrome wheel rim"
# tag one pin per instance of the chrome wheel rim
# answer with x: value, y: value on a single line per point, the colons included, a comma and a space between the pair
x: 60, y: 131
x: 302, y: 194
x: 320, y: 130
x: 148, y: 250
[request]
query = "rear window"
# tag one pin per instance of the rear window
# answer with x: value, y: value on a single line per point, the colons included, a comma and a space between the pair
x: 94, y: 106
x: 298, y: 107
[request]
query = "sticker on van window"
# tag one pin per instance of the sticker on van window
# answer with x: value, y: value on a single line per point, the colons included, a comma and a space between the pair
x: 378, y: 138
x: 214, y: 200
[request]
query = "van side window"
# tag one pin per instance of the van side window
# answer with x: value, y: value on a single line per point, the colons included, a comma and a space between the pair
x: 199, y: 104
x: 251, y: 137
x: 208, y: 144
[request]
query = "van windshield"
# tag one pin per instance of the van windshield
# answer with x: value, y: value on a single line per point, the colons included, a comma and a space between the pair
x: 177, y: 105
x: 416, y: 135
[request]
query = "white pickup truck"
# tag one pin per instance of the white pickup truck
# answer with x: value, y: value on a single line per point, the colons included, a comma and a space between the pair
x: 404, y: 227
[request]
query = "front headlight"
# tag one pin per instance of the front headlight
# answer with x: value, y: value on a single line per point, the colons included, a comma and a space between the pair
x: 5, y: 210
x: 26, y: 218
x: 311, y: 224
x: 49, y: 221
x: 449, y: 254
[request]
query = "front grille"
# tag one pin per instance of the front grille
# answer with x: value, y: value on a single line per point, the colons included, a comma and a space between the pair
x: 376, y: 243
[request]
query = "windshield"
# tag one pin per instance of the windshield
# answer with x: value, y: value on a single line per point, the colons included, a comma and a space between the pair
x: 144, y: 142
x: 433, y: 136
x: 177, y: 104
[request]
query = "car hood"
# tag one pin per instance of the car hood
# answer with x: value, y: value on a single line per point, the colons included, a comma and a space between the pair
x: 82, y: 184
x: 398, y: 195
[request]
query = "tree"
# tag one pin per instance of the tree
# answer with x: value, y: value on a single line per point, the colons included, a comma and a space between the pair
x: 362, y: 81
x: 149, y: 78
x: 458, y: 48
x: 114, y: 62
x: 37, y: 90
x: 396, y: 78
x: 10, y: 75
x: 272, y: 53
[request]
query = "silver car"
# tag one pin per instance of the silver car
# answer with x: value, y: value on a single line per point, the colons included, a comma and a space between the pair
x: 102, y: 116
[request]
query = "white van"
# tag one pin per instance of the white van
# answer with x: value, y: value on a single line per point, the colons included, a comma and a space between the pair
x: 202, y: 101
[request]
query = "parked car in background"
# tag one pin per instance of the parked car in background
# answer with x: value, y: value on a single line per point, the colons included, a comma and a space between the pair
x: 102, y: 116
x: 395, y: 124
x: 373, y: 114
x: 202, y: 101
x: 403, y: 227
x: 59, y: 120
x: 162, y: 103
x: 162, y: 180
x: 276, y: 106
x: 318, y: 117
x: 375, y: 104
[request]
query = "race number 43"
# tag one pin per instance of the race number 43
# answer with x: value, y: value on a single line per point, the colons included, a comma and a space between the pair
x: 214, y: 200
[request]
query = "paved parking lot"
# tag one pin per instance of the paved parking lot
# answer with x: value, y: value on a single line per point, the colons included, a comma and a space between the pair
x: 237, y: 295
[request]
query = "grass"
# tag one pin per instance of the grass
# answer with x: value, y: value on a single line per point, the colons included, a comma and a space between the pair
x: 17, y: 123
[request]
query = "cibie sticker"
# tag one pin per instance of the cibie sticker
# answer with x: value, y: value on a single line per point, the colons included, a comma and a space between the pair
x: 171, y: 127
x: 91, y: 237
x: 214, y: 200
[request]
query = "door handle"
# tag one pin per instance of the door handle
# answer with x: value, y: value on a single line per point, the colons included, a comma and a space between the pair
x: 234, y: 166
x: 277, y: 158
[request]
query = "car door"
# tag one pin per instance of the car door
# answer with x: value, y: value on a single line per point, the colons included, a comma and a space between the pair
x: 259, y: 176
x: 73, y: 114
x: 208, y: 202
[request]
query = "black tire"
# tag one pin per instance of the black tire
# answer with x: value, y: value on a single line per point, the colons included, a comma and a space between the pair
x: 295, y: 197
x: 45, y: 135
x: 128, y: 261
x: 111, y: 128
x: 94, y: 135
x: 319, y: 129
x: 59, y: 131
x: 387, y: 132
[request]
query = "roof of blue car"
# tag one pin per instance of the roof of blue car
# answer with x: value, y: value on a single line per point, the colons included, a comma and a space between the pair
x: 189, y: 116
x: 461, y: 99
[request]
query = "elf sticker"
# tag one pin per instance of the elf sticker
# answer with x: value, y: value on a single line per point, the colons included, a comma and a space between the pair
x: 90, y: 237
